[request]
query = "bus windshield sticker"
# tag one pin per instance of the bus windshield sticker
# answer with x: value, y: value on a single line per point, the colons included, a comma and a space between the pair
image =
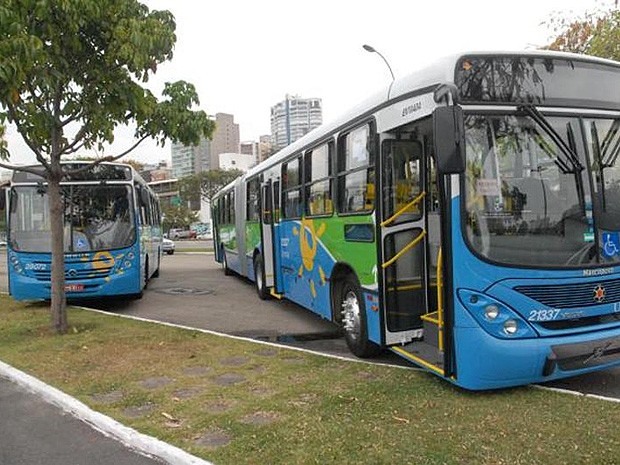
x: 588, y: 236
x: 611, y: 244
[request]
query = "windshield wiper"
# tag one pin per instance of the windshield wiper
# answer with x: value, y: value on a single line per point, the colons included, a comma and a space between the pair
x: 609, y: 150
x: 566, y: 150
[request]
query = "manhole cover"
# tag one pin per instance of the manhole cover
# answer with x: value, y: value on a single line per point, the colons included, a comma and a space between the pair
x: 184, y: 291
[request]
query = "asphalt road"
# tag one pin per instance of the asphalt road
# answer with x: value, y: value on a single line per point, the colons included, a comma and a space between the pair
x: 193, y: 291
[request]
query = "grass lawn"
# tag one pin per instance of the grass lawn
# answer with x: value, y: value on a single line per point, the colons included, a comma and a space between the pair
x: 233, y: 402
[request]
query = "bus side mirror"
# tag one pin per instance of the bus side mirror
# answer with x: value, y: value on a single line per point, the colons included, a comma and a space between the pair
x: 449, y: 139
x: 3, y: 198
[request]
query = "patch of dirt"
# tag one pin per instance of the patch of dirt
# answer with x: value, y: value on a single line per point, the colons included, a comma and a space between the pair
x: 196, y: 371
x: 138, y: 410
x: 234, y: 361
x: 218, y: 407
x: 213, y: 439
x: 187, y: 393
x: 229, y: 379
x: 108, y: 397
x: 155, y: 382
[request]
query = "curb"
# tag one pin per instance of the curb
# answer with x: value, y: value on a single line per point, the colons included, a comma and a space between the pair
x: 138, y: 442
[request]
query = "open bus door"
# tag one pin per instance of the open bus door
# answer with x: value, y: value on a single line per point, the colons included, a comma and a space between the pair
x: 267, y: 235
x: 410, y: 258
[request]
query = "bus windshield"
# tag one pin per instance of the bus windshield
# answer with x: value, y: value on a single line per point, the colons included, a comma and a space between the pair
x: 525, y: 197
x: 95, y: 218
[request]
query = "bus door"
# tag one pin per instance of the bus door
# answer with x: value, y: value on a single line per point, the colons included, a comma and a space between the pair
x: 406, y: 282
x: 267, y: 233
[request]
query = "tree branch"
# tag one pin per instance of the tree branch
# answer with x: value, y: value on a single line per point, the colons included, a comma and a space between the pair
x: 25, y: 169
x: 71, y: 148
x: 22, y: 131
x: 105, y: 159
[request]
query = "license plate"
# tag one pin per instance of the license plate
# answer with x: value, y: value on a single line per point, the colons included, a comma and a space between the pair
x: 74, y: 287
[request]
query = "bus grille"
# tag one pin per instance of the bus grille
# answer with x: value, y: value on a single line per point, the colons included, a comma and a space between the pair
x: 573, y: 295
x: 74, y: 273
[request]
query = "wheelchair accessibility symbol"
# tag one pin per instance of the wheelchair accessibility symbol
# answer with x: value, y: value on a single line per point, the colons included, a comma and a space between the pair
x: 611, y: 244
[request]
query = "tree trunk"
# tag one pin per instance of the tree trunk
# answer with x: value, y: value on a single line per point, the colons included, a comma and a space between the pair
x: 58, y: 306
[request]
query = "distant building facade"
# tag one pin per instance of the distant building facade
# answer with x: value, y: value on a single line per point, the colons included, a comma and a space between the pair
x: 249, y: 148
x: 265, y: 149
x: 156, y: 171
x: 239, y: 161
x: 293, y: 118
x: 188, y: 160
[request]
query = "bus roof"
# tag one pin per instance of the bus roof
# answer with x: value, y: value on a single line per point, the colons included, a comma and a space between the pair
x: 441, y: 71
x: 111, y: 171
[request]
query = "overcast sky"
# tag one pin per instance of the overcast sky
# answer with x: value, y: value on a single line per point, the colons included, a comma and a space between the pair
x: 244, y: 56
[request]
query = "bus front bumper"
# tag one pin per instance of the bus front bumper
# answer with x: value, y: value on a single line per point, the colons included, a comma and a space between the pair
x: 487, y: 362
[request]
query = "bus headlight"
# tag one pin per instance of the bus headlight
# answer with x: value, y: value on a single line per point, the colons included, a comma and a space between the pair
x: 494, y: 316
x: 510, y: 327
x: 491, y: 311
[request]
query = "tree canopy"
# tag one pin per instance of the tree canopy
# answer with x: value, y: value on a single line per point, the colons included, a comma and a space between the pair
x: 596, y: 33
x: 178, y: 216
x: 209, y: 182
x: 71, y: 71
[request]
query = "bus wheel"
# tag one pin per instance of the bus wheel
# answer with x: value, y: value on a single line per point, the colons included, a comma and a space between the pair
x: 354, y: 320
x: 225, y: 264
x: 259, y: 278
x: 146, y: 274
x: 156, y: 274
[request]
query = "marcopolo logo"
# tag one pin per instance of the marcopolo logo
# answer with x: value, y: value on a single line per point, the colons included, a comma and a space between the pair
x: 598, y: 272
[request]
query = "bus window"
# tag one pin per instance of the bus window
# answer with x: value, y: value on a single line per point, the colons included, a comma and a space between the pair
x: 291, y: 188
x: 402, y: 183
x: 356, y: 175
x: 252, y: 211
x: 318, y: 181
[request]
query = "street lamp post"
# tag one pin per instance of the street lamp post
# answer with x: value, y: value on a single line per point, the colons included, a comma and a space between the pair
x: 371, y: 49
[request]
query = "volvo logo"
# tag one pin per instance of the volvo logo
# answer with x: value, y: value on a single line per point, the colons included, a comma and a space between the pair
x: 599, y: 294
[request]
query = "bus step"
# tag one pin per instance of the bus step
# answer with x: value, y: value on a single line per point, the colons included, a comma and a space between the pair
x: 421, y: 353
x: 432, y: 328
x: 273, y: 293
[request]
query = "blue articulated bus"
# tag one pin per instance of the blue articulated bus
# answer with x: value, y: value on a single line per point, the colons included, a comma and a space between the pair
x: 466, y: 218
x: 112, y: 233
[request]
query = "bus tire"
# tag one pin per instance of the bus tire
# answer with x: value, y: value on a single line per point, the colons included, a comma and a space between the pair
x: 156, y: 273
x: 353, y: 311
x: 227, y: 271
x: 259, y: 278
x: 145, y: 284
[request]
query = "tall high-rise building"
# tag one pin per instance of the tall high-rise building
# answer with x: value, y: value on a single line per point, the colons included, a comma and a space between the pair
x: 225, y: 139
x: 294, y: 117
x: 188, y: 160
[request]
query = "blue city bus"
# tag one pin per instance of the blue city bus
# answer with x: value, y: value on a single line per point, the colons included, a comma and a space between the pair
x: 112, y: 233
x: 466, y: 218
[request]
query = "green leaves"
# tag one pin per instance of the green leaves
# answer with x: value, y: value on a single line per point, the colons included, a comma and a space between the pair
x: 79, y: 64
x: 174, y: 118
x: 597, y: 33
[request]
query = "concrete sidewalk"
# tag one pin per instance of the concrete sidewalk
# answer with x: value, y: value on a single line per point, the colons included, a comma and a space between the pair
x: 33, y: 432
x: 40, y: 424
